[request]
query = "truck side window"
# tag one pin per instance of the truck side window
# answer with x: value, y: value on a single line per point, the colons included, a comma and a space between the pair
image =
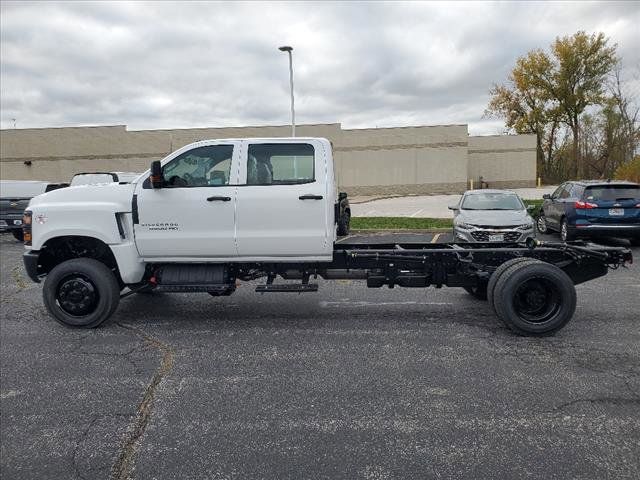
x: 280, y: 164
x: 201, y: 167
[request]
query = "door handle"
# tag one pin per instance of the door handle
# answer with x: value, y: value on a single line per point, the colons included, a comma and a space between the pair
x: 219, y: 199
x: 310, y: 197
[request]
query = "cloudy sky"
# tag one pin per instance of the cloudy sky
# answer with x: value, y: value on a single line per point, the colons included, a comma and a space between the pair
x: 180, y: 65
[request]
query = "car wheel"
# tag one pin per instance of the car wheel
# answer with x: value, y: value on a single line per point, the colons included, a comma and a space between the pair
x: 18, y: 235
x: 535, y: 298
x: 541, y: 224
x: 479, y: 291
x: 344, y: 225
x: 81, y: 292
x: 565, y: 234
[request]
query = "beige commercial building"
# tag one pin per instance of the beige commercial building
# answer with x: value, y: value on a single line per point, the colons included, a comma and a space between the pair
x: 405, y: 160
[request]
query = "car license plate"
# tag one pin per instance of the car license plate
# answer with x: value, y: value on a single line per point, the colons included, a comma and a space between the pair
x: 3, y: 223
x: 616, y: 211
x: 496, y: 238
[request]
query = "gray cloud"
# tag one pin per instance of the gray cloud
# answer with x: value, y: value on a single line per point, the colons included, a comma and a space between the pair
x: 172, y: 65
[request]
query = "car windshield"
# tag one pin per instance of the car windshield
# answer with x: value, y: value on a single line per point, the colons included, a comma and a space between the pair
x: 612, y: 192
x: 492, y: 201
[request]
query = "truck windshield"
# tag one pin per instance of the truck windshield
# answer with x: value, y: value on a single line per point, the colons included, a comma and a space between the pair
x: 492, y: 201
x: 612, y: 192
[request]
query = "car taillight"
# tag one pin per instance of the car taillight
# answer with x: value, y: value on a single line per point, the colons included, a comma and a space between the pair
x: 584, y: 205
x: 26, y: 226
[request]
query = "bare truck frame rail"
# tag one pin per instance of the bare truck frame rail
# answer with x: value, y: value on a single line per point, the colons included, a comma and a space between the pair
x: 530, y: 287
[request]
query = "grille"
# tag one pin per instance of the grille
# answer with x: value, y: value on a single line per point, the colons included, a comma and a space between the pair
x: 483, y: 236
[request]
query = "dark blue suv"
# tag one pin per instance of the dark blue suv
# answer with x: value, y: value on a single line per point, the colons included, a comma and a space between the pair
x: 590, y: 208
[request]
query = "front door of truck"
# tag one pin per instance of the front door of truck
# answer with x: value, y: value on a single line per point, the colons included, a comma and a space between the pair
x: 192, y: 215
x: 283, y: 200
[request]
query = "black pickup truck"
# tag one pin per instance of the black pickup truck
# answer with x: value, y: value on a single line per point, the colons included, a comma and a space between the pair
x: 14, y: 198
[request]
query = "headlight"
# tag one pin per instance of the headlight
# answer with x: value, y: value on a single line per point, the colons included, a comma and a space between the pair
x: 525, y: 226
x: 464, y: 226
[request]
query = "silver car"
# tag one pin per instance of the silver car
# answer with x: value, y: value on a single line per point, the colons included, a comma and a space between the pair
x: 491, y: 216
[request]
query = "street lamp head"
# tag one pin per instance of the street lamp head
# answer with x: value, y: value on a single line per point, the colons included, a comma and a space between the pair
x: 286, y: 48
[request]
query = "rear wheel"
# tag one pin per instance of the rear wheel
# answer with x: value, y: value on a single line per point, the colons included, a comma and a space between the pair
x: 565, y: 233
x: 18, y: 235
x: 495, y: 276
x: 82, y: 292
x: 535, y: 298
x: 479, y: 291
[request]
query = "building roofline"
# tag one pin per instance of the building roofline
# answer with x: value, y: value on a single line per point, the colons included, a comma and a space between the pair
x: 408, y: 126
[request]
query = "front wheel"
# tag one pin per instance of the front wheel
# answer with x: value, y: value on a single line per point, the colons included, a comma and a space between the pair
x: 535, y: 298
x: 81, y: 292
x: 541, y: 224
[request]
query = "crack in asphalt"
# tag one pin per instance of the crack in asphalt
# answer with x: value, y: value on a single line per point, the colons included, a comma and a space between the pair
x: 79, y: 442
x: 597, y: 400
x: 123, y: 467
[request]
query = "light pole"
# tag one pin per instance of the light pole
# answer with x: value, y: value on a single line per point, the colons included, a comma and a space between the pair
x: 293, y: 112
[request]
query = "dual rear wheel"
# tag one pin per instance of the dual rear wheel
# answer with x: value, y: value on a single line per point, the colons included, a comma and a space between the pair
x: 531, y: 297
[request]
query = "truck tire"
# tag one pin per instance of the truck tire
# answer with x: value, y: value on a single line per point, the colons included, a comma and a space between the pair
x: 495, y: 276
x: 81, y: 292
x: 479, y: 291
x: 534, y: 298
x: 18, y: 235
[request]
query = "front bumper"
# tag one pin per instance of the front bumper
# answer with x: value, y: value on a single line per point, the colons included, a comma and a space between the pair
x: 30, y: 260
x: 478, y: 234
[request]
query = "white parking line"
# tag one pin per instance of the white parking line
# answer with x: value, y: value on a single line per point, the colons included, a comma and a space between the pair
x: 415, y: 214
x: 435, y: 237
x: 376, y: 304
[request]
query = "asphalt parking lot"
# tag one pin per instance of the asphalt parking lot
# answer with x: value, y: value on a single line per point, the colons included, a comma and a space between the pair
x: 345, y: 383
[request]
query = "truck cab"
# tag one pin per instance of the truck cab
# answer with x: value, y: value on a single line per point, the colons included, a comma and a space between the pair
x: 247, y: 200
x: 213, y: 201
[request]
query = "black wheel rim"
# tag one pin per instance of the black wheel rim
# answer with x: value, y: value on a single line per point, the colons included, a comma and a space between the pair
x: 536, y: 300
x: 77, y: 295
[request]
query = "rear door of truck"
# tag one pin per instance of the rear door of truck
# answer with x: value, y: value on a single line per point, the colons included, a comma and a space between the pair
x: 285, y: 199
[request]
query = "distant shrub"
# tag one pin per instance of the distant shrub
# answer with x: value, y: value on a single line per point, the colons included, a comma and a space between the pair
x: 629, y: 171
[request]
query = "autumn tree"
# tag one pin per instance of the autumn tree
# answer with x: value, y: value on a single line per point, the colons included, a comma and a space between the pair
x: 545, y: 88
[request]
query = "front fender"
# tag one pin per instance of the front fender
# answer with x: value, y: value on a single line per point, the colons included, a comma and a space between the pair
x: 97, y: 220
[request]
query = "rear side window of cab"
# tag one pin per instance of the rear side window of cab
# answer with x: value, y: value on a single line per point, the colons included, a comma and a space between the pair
x: 280, y: 164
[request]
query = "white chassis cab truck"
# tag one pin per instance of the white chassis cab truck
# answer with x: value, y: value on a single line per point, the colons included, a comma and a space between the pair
x: 220, y: 211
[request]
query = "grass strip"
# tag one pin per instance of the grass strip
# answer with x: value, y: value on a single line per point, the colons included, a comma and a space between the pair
x: 399, y: 223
